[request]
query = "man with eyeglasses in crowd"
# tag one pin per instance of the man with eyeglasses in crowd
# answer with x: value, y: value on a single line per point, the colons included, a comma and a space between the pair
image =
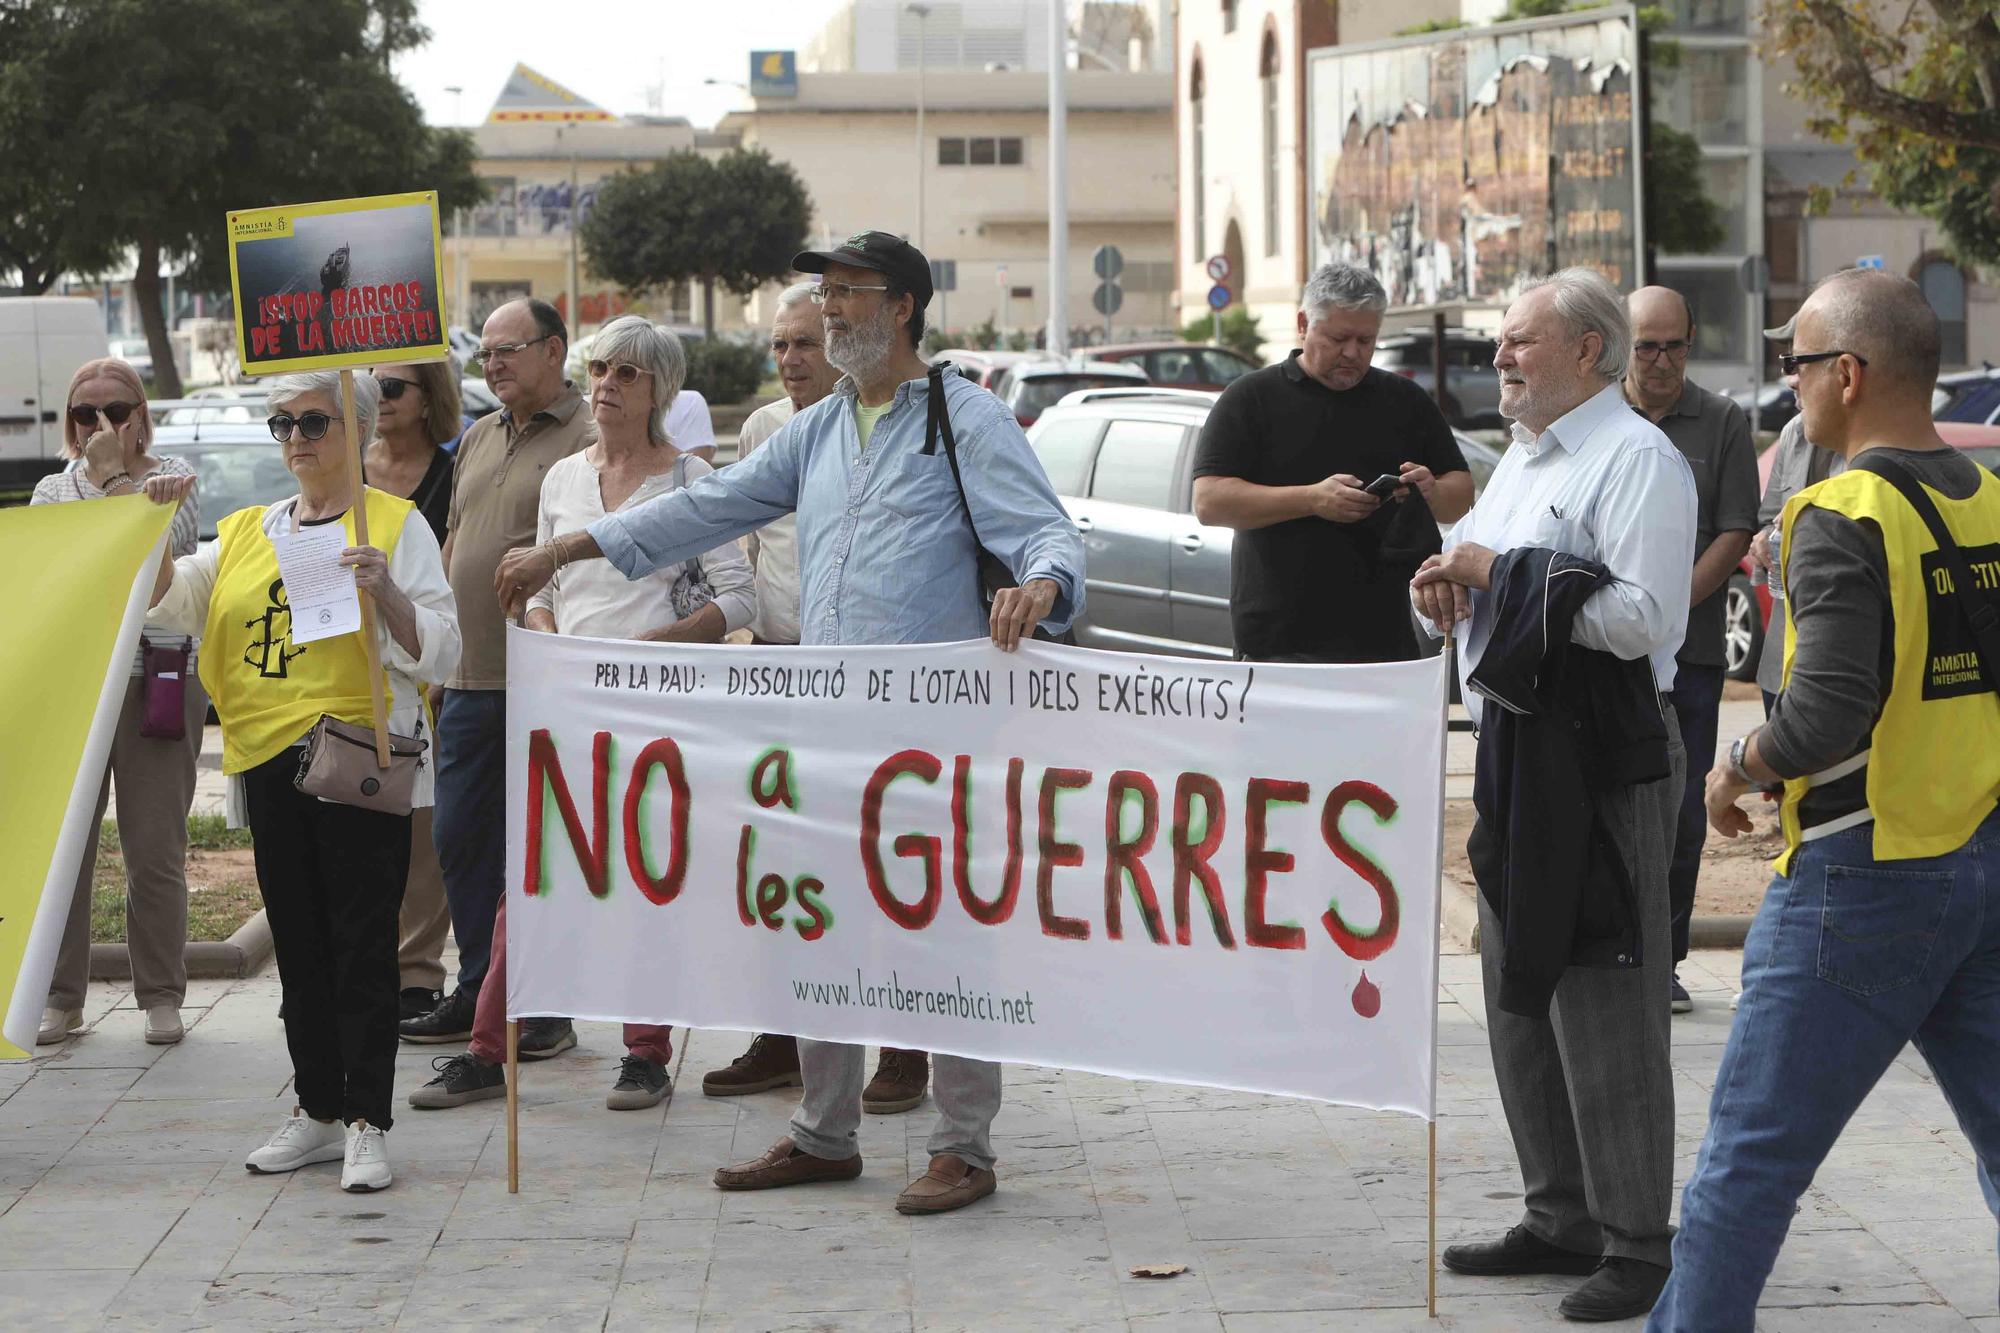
x: 1713, y: 434
x: 494, y: 498
x: 879, y: 525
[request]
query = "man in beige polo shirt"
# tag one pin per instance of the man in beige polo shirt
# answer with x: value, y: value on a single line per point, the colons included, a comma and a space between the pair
x: 495, y: 492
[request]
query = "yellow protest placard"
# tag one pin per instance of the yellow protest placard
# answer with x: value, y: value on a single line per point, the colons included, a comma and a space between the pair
x: 64, y: 662
x: 338, y: 284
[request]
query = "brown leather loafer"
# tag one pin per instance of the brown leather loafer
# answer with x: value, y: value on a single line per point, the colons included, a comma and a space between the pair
x: 785, y: 1165
x: 899, y: 1082
x: 950, y: 1183
x: 771, y: 1062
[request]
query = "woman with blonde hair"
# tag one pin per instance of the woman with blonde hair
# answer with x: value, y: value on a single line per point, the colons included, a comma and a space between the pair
x: 331, y: 873
x: 106, y: 434
x: 419, y: 413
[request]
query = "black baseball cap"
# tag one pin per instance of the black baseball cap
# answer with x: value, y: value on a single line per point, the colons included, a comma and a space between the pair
x: 886, y: 254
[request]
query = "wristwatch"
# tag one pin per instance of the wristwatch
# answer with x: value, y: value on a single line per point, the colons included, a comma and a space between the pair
x: 1737, y: 749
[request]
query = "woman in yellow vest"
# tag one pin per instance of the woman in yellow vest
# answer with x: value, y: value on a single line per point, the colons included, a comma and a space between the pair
x: 331, y: 874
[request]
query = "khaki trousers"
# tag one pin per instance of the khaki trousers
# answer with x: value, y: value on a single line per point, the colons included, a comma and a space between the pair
x: 155, y: 784
x: 426, y: 915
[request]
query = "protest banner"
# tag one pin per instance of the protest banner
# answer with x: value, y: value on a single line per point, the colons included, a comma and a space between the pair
x: 1216, y: 873
x: 71, y: 634
x: 338, y: 284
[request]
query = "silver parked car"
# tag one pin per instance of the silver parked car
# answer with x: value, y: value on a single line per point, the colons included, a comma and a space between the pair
x: 1158, y: 578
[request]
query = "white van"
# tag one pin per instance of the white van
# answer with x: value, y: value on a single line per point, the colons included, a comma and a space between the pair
x: 43, y: 339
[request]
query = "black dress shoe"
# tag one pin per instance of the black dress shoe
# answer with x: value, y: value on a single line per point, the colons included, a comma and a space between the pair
x: 450, y: 1021
x: 1522, y: 1251
x: 1621, y: 1288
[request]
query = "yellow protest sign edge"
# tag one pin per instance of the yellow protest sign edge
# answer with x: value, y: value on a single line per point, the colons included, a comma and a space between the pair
x: 240, y: 218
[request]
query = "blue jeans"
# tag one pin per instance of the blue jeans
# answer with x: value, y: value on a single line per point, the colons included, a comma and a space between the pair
x: 1849, y: 958
x: 469, y: 827
x: 1697, y: 701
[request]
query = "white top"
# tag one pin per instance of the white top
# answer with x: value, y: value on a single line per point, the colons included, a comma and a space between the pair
x: 415, y: 566
x: 1605, y: 484
x: 592, y: 598
x: 774, y: 548
x: 688, y: 424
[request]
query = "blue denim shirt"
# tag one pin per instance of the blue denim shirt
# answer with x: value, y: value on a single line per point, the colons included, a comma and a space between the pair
x: 885, y: 555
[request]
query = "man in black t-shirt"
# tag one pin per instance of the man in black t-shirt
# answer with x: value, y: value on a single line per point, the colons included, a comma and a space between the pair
x: 1320, y: 569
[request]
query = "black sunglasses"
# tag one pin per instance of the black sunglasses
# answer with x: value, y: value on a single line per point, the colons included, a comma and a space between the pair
x: 392, y: 388
x: 83, y: 414
x: 1790, y: 362
x: 312, y: 425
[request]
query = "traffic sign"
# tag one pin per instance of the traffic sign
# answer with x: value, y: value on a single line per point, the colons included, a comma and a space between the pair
x: 1870, y: 261
x: 1107, y: 298
x: 1218, y: 296
x: 1218, y: 268
x: 1107, y: 263
x: 944, y: 275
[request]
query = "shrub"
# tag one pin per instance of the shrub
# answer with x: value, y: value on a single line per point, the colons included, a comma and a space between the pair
x: 724, y: 371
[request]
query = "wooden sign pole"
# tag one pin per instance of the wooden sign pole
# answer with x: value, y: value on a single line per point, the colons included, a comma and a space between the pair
x: 1437, y: 934
x: 375, y: 690
x: 513, y: 1106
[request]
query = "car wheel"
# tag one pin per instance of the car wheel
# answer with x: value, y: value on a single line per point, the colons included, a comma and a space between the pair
x: 1742, y: 630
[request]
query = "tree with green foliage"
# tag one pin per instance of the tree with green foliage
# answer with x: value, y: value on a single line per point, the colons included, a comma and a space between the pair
x: 1239, y: 332
x: 130, y: 126
x: 734, y: 221
x: 1916, y: 89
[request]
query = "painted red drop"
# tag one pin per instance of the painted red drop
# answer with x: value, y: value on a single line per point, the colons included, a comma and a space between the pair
x: 1367, y: 997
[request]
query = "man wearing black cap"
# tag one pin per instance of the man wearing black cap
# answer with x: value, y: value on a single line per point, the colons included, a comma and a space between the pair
x: 880, y: 524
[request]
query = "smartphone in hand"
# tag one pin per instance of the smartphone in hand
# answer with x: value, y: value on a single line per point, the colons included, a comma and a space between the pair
x: 1384, y: 486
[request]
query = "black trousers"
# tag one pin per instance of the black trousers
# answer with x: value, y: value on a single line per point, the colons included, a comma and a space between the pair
x: 332, y: 879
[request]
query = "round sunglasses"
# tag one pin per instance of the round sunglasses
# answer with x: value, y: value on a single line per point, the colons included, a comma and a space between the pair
x: 393, y: 388
x: 85, y: 414
x: 624, y: 372
x: 311, y: 425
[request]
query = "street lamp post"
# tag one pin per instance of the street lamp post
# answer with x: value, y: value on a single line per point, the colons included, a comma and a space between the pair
x: 923, y: 13
x: 461, y: 287
x: 1058, y: 335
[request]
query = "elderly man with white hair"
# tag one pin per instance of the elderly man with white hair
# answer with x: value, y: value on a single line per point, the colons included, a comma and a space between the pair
x: 1571, y: 579
x: 1331, y: 472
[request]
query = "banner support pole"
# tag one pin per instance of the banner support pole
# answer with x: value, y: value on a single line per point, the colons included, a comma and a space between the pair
x: 376, y: 697
x: 1437, y: 936
x: 513, y: 1106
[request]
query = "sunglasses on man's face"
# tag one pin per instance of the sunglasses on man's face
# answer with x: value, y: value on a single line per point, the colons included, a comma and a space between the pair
x: 311, y: 425
x: 85, y: 414
x: 392, y: 389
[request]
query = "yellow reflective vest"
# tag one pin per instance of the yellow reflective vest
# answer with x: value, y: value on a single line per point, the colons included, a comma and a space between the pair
x: 1933, y: 758
x: 268, y: 691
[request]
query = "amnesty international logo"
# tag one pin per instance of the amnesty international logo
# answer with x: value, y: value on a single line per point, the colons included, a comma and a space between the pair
x: 273, y: 652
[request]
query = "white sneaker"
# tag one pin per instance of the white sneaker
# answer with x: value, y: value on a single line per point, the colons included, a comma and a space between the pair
x: 58, y: 1025
x: 163, y: 1025
x: 366, y: 1166
x: 300, y: 1141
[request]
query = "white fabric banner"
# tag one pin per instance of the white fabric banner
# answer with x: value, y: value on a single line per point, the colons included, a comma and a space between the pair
x: 1203, y: 872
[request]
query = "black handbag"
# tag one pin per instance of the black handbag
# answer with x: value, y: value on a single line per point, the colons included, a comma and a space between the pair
x: 993, y: 572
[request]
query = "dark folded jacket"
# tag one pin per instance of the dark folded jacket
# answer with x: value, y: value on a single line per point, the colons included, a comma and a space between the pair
x: 1562, y: 727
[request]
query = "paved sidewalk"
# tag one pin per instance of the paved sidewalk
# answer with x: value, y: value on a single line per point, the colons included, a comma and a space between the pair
x: 126, y: 1205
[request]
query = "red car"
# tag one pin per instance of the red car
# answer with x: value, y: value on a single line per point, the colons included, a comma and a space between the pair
x: 1747, y: 610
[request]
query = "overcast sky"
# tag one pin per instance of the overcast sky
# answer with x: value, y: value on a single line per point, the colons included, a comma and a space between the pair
x: 612, y: 55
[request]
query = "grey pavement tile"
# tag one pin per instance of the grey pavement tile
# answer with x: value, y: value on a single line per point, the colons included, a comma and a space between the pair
x: 313, y: 1245
x: 1824, y: 1268
x: 59, y: 1298
x: 852, y: 1264
x: 515, y: 1284
x: 107, y: 1233
x: 208, y: 1234
x: 259, y: 1067
x: 1959, y: 1263
x: 1863, y: 1319
x: 1361, y: 1270
x: 1184, y: 1321
x: 310, y: 1198
x: 1903, y: 1182
x: 847, y: 1322
x: 974, y: 1272
x: 1346, y: 1321
x: 1244, y: 1200
x: 156, y: 1303
x: 290, y: 1300
x: 1289, y: 1130
x: 144, y: 1184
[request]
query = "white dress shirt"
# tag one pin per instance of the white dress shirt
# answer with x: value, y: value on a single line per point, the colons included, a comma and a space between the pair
x: 774, y: 548
x: 1605, y: 484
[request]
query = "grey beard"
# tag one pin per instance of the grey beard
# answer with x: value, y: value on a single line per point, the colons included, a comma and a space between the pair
x: 863, y: 348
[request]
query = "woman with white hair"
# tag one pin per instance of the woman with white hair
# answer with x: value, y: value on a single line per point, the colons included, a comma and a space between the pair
x: 635, y: 371
x: 331, y: 874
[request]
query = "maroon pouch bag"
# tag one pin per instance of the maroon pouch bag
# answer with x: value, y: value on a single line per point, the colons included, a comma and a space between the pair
x: 163, y: 691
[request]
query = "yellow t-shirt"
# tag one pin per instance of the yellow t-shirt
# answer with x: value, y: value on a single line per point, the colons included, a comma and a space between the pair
x: 866, y: 417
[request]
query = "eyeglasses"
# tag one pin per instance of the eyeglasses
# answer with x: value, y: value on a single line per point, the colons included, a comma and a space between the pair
x: 486, y: 356
x: 840, y: 291
x: 1790, y: 362
x: 393, y: 388
x: 84, y: 414
x: 624, y: 372
x: 1652, y: 351
x: 311, y: 425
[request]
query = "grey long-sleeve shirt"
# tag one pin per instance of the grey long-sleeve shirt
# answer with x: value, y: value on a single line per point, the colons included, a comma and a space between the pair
x: 1796, y: 463
x: 1837, y: 578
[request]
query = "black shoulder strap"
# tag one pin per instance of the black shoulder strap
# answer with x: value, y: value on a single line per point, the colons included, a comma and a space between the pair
x: 1980, y: 612
x: 937, y: 423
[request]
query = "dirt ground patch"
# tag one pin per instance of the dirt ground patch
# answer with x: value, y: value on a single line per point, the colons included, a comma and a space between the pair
x: 1734, y: 871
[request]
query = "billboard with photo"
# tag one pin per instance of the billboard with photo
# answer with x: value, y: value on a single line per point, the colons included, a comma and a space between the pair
x: 340, y: 283
x: 1457, y: 164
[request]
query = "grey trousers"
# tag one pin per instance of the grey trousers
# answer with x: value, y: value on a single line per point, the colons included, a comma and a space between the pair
x: 829, y: 1114
x: 155, y: 784
x: 1588, y: 1091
